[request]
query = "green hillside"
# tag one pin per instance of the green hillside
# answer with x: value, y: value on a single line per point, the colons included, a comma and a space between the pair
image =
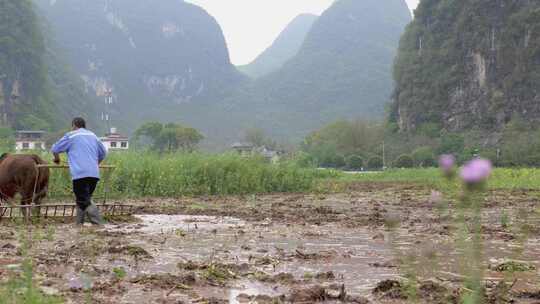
x: 468, y: 64
x: 158, y: 62
x: 37, y: 90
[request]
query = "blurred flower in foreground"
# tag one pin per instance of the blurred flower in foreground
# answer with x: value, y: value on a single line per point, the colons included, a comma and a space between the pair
x: 476, y: 171
x: 446, y: 163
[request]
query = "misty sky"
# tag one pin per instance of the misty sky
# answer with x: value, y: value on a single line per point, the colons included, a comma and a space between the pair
x: 250, y: 26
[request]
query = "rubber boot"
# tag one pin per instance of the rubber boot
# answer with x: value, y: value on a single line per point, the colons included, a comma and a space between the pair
x: 79, y: 216
x: 94, y: 216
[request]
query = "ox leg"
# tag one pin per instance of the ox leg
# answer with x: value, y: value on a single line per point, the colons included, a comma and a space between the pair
x: 38, y: 197
x: 26, y: 200
x: 32, y: 201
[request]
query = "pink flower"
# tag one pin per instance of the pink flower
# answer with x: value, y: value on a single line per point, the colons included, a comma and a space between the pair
x: 447, y: 162
x: 476, y: 171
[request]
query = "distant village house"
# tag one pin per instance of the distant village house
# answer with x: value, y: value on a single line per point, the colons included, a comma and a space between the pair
x: 29, y: 140
x: 244, y: 149
x: 248, y: 149
x: 115, y: 141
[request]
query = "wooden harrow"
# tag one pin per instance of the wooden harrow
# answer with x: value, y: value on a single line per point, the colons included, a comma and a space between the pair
x: 60, y: 210
x: 63, y: 210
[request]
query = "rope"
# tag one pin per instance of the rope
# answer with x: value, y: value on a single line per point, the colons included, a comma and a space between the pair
x: 35, y: 185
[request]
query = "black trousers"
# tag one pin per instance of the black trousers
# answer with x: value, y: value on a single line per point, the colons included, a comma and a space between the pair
x: 84, y: 189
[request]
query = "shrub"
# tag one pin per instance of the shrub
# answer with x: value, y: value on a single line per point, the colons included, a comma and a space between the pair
x: 339, y: 161
x: 491, y: 154
x: 333, y: 161
x: 404, y: 161
x: 452, y: 144
x: 533, y: 160
x: 305, y: 160
x: 431, y: 130
x: 355, y: 162
x: 327, y: 156
x: 375, y: 163
x: 424, y: 157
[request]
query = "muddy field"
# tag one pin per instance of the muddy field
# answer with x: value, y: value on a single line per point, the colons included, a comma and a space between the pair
x: 354, y: 247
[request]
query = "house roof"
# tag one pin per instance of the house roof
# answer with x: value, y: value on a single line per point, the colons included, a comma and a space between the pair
x: 240, y: 145
x: 115, y: 138
x: 269, y: 153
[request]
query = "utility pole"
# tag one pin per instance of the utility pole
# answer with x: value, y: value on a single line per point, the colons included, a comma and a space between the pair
x: 383, y: 157
x: 106, y: 114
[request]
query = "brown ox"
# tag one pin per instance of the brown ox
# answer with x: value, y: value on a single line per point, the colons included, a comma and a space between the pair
x: 20, y: 174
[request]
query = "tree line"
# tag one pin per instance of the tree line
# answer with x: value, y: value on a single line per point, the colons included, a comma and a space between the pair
x: 357, y: 145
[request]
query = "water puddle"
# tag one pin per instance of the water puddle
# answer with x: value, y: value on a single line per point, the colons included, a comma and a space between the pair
x: 229, y: 240
x: 164, y: 224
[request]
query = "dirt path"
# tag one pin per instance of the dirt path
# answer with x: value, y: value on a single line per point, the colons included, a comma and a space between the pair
x: 353, y: 247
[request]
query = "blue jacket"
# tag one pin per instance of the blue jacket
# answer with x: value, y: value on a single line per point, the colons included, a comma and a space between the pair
x: 84, y: 150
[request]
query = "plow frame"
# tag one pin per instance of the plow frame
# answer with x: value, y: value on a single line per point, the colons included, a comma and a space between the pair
x: 61, y: 210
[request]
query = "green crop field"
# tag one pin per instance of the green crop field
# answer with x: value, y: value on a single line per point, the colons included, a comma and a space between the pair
x: 173, y: 175
x: 502, y: 178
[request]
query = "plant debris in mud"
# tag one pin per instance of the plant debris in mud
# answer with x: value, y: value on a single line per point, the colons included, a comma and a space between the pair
x: 513, y: 266
x: 325, y: 276
x: 216, y: 273
x: 320, y: 293
x: 433, y: 292
x: 86, y: 248
x: 387, y: 264
x: 283, y: 278
x: 134, y: 251
x: 428, y: 291
x: 266, y: 260
x: 167, y: 281
x: 314, y: 256
x: 500, y: 294
x: 191, y: 266
x: 259, y: 299
x: 212, y: 301
x: 529, y: 294
x: 308, y: 295
x: 391, y: 289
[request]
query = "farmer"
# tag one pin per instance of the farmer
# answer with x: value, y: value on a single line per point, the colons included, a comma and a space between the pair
x: 85, y: 152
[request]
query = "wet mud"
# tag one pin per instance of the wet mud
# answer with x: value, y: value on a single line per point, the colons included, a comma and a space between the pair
x: 362, y: 246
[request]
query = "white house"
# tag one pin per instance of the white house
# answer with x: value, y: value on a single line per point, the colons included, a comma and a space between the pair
x: 29, y: 140
x: 115, y: 141
x: 270, y: 155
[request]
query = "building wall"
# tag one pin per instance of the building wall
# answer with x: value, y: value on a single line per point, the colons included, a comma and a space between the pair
x: 21, y: 145
x: 110, y: 146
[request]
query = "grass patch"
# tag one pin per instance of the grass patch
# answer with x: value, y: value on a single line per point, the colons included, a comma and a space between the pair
x: 502, y: 178
x: 119, y: 272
